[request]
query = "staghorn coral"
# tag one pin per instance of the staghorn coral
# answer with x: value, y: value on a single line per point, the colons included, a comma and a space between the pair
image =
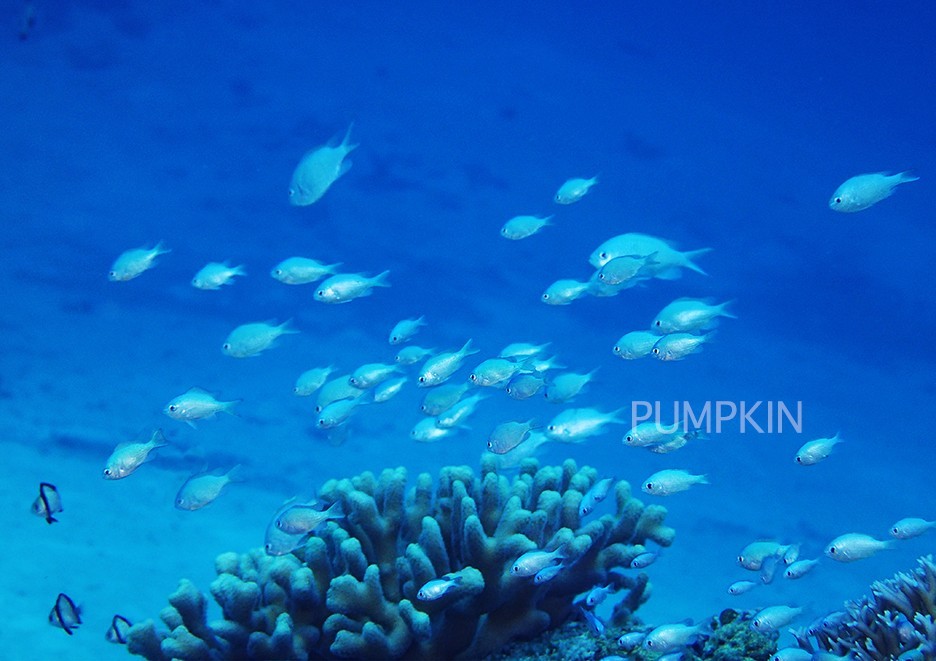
x: 898, y: 619
x: 350, y: 591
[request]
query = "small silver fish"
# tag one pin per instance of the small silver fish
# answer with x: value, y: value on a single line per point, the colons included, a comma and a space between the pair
x: 372, y: 374
x: 303, y: 270
x: 508, y: 435
x: 412, y: 355
x: 440, y: 368
x: 855, y: 546
x: 65, y: 614
x: 47, y: 503
x: 644, y: 560
x: 598, y: 594
x: 689, y: 315
x: 336, y: 413
x: 547, y: 574
x: 494, y: 372
x: 631, y: 641
x: 197, y: 404
x: 740, y: 587
x: 865, y: 190
x: 566, y: 386
x: 519, y: 350
x: 574, y: 425
x: 345, y: 287
x: 679, y: 345
x: 595, y: 495
x: 404, y: 330
x: 532, y: 562
x: 635, y: 344
x: 437, y: 588
x: 215, y: 275
x: 753, y: 555
x: 670, y: 481
x: 521, y: 227
x: 127, y: 457
x: 311, y: 380
x: 427, y: 431
x: 276, y: 542
x: 815, y: 451
x: 595, y: 625
x: 249, y: 340
x: 524, y: 386
x: 622, y: 270
x: 456, y: 414
x: 389, y: 389
x: 335, y: 390
x: 800, y: 568
x: 670, y: 637
x: 774, y: 617
x: 911, y: 527
x: 132, y: 263
x: 303, y: 519
x: 319, y: 169
x: 574, y: 190
x: 202, y: 489
x: 563, y: 292
x: 442, y: 398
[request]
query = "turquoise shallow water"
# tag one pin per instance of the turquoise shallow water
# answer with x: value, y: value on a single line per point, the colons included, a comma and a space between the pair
x: 729, y: 129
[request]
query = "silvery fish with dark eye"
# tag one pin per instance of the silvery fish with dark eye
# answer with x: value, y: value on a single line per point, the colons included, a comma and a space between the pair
x: 404, y: 330
x: 302, y: 270
x: 436, y: 588
x: 574, y: 190
x: 132, y: 263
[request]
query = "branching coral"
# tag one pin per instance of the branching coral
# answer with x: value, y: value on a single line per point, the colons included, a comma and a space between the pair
x: 351, y: 590
x: 897, y: 619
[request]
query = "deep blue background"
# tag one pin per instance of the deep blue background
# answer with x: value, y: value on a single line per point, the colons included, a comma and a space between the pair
x: 727, y: 127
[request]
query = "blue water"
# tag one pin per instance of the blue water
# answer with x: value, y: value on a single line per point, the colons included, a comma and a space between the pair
x: 726, y: 127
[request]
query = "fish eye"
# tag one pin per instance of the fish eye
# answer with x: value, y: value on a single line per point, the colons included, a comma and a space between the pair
x: 757, y: 623
x: 180, y: 501
x: 321, y: 422
x: 545, y: 297
x: 601, y: 276
x: 649, y: 644
x: 226, y: 346
x: 269, y: 547
x: 894, y: 530
x: 838, y: 200
x: 422, y: 379
x: 107, y: 471
x: 320, y: 292
x: 112, y: 274
x: 490, y: 444
x: 603, y: 255
x: 473, y: 377
x: 658, y: 322
x: 628, y: 438
x: 617, y: 350
x: 552, y: 427
x: 832, y: 550
x: 649, y: 486
x: 172, y: 407
x: 278, y: 271
x: 656, y: 351
x: 799, y: 460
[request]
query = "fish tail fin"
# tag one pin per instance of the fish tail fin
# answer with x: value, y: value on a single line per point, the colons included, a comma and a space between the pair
x: 335, y: 510
x: 191, y: 423
x: 286, y: 328
x: 161, y: 249
x: 158, y: 439
x: 380, y: 280
x: 906, y: 177
x: 722, y: 310
x: 688, y: 257
x: 703, y: 479
x: 228, y: 407
x: 333, y: 268
x: 51, y: 519
x: 235, y: 474
x: 240, y: 269
x: 346, y: 141
x: 467, y: 350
